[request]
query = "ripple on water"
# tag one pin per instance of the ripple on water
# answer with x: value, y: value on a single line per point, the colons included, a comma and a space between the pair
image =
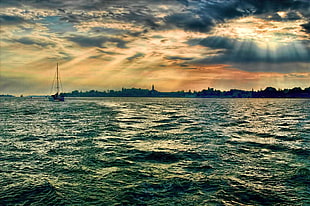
x: 154, y: 151
x: 31, y: 193
x: 153, y: 156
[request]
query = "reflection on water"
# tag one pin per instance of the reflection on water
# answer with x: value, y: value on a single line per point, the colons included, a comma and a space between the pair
x: 154, y: 151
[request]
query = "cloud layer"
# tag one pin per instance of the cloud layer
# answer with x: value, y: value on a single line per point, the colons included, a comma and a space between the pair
x: 138, y: 43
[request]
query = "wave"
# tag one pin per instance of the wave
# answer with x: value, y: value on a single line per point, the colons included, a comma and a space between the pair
x: 31, y: 193
x: 149, y: 151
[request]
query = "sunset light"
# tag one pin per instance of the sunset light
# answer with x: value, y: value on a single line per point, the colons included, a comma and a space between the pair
x: 136, y: 44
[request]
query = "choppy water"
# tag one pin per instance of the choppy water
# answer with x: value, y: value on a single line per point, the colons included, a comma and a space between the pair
x: 149, y: 151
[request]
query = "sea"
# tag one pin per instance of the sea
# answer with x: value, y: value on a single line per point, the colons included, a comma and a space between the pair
x: 154, y: 151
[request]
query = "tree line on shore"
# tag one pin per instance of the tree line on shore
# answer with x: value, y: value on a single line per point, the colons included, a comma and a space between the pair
x: 269, y: 92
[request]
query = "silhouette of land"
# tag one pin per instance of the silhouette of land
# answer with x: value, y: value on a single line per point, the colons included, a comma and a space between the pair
x: 269, y: 92
x: 6, y: 95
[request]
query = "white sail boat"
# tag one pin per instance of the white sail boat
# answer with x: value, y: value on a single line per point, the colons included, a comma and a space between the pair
x: 56, y: 85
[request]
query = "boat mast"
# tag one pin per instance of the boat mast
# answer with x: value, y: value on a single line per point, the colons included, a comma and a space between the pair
x: 57, y: 79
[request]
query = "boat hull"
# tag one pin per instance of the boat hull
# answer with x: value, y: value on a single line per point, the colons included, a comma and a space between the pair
x: 57, y: 98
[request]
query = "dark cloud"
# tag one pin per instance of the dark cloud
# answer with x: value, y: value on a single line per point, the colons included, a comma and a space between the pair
x: 87, y: 5
x: 12, y: 3
x: 137, y: 34
x: 47, y: 4
x: 234, y: 8
x: 197, y: 15
x: 72, y: 18
x: 265, y: 6
x: 95, y: 56
x: 306, y: 27
x: 202, y: 15
x: 31, y: 41
x: 226, y: 8
x: 158, y: 37
x: 214, y: 11
x: 215, y: 42
x: 137, y: 55
x: 292, y: 16
x: 179, y: 58
x: 185, y: 2
x: 190, y: 22
x: 110, y: 31
x: 11, y: 20
x: 97, y: 41
x: 140, y: 12
x: 140, y: 15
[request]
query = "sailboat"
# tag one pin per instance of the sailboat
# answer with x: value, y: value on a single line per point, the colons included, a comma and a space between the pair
x: 56, y: 85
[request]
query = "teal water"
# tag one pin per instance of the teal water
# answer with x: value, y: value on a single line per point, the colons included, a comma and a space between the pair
x: 154, y: 151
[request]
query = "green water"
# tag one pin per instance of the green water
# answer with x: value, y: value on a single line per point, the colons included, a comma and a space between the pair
x: 154, y: 151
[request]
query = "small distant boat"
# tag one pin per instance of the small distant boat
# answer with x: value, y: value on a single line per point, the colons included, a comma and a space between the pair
x: 58, y: 97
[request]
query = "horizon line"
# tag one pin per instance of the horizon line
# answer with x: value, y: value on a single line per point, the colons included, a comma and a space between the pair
x: 153, y: 89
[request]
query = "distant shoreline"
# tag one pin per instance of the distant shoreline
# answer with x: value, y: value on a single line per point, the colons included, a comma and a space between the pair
x: 269, y: 92
x: 43, y: 97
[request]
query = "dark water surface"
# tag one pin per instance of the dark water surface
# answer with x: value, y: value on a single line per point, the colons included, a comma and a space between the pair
x: 155, y: 151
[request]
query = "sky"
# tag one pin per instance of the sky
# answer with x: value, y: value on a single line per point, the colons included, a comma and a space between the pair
x: 173, y: 44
